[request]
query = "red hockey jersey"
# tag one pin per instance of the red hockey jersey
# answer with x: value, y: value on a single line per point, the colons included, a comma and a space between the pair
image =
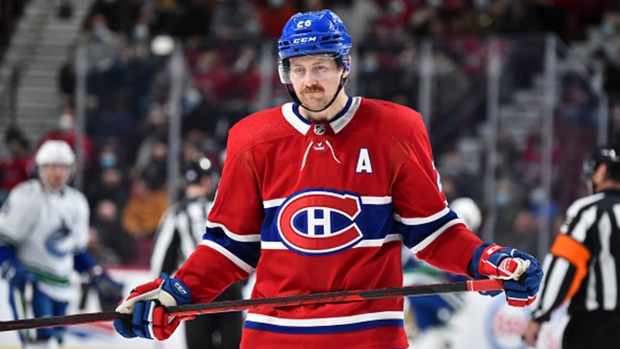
x: 321, y: 207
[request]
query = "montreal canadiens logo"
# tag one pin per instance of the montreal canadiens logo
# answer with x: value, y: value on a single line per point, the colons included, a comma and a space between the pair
x: 319, y: 222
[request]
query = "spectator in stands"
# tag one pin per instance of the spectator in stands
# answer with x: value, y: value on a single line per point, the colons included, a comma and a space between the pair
x: 102, y: 43
x: 112, y: 154
x: 152, y: 130
x: 212, y: 78
x: 65, y: 131
x: 140, y: 31
x: 530, y: 159
x: 359, y: 16
x: 119, y: 246
x: 393, y: 22
x: 14, y: 167
x: 234, y: 19
x: 195, y: 19
x: 155, y: 171
x: 579, y: 103
x: 523, y: 233
x: 614, y: 120
x: 140, y: 216
x: 66, y: 76
x: 601, y: 63
x: 245, y: 70
x: 119, y: 14
x: 273, y: 14
x: 110, y: 186
x: 113, y: 119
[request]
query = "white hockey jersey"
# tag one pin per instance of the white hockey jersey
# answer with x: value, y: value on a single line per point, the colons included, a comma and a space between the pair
x: 47, y: 230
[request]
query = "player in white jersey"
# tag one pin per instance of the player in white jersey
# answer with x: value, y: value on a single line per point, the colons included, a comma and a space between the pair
x: 43, y: 238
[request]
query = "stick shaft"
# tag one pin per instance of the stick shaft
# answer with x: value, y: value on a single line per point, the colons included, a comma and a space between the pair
x: 275, y: 302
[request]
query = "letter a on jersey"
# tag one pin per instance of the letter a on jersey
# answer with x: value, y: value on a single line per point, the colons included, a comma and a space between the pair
x: 318, y: 222
x: 363, y: 162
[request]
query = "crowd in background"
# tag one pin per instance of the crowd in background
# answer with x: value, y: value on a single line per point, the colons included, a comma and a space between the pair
x: 126, y: 146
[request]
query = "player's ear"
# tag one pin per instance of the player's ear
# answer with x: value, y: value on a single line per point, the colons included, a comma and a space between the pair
x: 604, y: 171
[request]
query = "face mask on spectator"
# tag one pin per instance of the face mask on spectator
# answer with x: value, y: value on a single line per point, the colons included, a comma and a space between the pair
x: 107, y: 160
x: 65, y: 122
x: 140, y: 32
x: 276, y: 3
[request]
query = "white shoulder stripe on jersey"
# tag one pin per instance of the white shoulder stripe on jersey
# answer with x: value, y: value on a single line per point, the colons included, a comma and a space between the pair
x: 334, y: 321
x: 293, y: 119
x: 338, y: 124
x: 366, y: 200
x: 238, y: 262
x: 236, y: 237
x: 276, y: 245
x: 422, y: 245
x: 379, y: 242
x: 376, y: 200
x: 423, y: 220
x: 273, y: 203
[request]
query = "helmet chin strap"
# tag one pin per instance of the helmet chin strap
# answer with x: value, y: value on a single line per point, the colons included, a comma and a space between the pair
x: 298, y: 101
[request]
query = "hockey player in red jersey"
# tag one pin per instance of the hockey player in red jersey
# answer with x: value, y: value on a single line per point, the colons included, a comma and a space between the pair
x: 319, y: 195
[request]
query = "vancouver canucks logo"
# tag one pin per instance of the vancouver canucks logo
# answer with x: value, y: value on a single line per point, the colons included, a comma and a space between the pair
x: 59, y: 242
x: 318, y: 222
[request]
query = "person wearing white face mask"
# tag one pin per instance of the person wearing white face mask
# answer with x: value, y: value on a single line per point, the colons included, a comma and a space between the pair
x: 65, y: 131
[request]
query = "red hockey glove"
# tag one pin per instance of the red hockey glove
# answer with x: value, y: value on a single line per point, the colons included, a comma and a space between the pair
x: 147, y: 304
x: 522, y: 272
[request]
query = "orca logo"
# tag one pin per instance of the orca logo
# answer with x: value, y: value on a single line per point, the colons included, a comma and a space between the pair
x: 60, y: 243
x: 320, y: 222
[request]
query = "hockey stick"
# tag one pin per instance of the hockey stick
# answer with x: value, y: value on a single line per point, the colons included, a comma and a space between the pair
x: 191, y: 310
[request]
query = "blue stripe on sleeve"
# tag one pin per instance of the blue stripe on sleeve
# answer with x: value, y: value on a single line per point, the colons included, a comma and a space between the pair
x: 249, y: 252
x: 414, y: 234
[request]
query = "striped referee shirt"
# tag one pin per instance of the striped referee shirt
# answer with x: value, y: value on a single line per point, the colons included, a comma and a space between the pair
x: 583, y: 265
x: 180, y: 230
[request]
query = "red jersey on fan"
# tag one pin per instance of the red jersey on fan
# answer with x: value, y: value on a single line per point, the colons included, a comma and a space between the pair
x: 321, y: 207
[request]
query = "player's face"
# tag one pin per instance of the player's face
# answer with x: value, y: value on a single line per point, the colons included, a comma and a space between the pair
x: 315, y: 79
x: 56, y: 176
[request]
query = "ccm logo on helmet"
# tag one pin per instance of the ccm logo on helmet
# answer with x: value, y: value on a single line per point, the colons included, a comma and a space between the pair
x: 304, y: 40
x: 320, y: 222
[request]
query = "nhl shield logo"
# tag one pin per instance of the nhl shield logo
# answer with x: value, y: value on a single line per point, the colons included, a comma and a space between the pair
x: 319, y: 129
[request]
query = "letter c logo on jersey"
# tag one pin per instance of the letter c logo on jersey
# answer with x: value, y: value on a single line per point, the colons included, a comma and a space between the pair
x: 320, y: 222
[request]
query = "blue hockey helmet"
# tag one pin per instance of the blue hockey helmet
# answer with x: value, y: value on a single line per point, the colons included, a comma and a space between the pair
x: 310, y: 33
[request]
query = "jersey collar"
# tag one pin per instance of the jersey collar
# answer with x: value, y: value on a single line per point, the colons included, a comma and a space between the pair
x: 289, y: 110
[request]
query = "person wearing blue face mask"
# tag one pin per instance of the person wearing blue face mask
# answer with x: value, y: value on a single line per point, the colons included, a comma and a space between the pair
x: 108, y: 160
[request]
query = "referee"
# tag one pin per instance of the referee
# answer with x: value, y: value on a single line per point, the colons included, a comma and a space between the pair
x: 180, y: 230
x: 583, y: 266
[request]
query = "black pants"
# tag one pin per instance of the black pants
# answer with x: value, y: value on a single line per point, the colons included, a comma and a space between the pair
x: 221, y: 331
x: 597, y: 329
